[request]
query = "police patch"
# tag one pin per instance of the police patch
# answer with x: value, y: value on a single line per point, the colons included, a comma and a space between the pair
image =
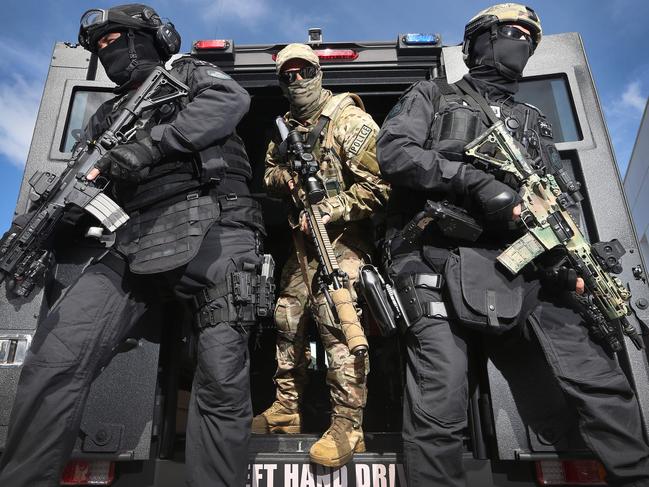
x: 217, y: 74
x: 360, y: 139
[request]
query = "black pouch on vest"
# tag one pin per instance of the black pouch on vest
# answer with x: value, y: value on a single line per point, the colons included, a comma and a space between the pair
x: 453, y: 128
x: 482, y: 296
x: 166, y: 238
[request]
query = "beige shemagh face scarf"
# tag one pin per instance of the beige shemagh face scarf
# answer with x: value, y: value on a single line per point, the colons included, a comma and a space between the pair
x: 304, y: 96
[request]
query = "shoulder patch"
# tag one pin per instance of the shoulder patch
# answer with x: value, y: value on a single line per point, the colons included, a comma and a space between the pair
x: 396, y: 110
x: 217, y: 74
x: 360, y: 139
x: 545, y: 128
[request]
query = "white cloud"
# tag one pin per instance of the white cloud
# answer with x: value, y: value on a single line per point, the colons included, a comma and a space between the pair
x: 632, y: 97
x: 25, y: 59
x: 244, y: 12
x: 19, y: 101
x: 623, y: 113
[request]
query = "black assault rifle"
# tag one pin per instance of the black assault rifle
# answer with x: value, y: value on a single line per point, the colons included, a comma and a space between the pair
x: 25, y: 249
x: 331, y: 278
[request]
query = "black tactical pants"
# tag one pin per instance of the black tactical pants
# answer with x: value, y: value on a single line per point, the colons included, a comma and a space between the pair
x: 436, y: 396
x: 79, y: 337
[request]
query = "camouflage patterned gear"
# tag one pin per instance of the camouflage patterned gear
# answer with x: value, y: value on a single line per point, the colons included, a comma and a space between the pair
x: 345, y: 150
x: 347, y: 154
x: 277, y: 419
x: 503, y: 13
x: 296, y: 51
x: 347, y: 373
x: 338, y: 444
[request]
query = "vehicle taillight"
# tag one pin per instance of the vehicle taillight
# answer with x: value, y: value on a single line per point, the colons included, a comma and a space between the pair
x: 88, y: 472
x: 211, y: 44
x: 570, y: 472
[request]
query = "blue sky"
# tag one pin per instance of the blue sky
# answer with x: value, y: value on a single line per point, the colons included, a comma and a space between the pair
x: 614, y: 31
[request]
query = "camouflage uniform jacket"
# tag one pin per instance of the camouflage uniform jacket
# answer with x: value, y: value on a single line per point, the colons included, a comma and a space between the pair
x: 346, y: 152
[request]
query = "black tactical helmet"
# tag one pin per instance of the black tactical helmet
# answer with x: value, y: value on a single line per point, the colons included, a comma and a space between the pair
x: 503, y: 13
x: 96, y: 23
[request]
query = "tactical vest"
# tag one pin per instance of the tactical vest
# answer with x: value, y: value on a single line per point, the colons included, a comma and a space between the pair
x: 182, y: 175
x: 180, y: 199
x: 325, y: 149
x: 458, y: 121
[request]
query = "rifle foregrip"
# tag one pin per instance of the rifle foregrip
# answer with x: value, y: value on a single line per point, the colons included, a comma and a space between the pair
x: 349, y: 323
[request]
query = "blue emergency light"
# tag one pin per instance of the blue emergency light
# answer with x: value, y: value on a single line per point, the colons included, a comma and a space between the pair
x: 421, y: 39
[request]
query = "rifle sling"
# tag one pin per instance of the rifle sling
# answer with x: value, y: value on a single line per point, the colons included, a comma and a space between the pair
x: 302, y: 259
x: 473, y: 95
x: 315, y: 132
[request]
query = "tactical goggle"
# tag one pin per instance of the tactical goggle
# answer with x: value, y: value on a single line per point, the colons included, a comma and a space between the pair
x: 305, y: 72
x: 513, y: 32
x: 90, y: 20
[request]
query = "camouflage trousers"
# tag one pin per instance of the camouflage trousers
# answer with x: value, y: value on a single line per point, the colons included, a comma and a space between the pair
x: 346, y: 376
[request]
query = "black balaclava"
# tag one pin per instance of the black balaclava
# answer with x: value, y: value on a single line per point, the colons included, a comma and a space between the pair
x: 125, y: 68
x: 498, y: 60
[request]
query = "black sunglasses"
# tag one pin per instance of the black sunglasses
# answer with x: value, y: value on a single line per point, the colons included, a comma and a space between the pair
x: 513, y: 32
x: 305, y: 72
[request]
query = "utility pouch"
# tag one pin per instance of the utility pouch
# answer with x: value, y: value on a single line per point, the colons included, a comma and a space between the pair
x: 213, y: 164
x: 452, y: 129
x: 481, y: 296
x: 166, y: 238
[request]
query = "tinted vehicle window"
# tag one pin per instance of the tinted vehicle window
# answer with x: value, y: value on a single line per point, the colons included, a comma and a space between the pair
x: 552, y: 97
x: 84, y: 104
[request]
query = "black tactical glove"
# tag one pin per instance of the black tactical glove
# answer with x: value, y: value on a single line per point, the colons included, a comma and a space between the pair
x: 130, y: 162
x: 497, y: 200
x: 561, y: 277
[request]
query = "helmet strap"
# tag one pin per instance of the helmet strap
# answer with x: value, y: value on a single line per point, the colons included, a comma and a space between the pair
x: 494, y: 33
x: 132, y: 53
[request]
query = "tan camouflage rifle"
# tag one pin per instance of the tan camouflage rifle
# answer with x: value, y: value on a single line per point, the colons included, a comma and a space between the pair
x: 333, y: 281
x: 549, y: 225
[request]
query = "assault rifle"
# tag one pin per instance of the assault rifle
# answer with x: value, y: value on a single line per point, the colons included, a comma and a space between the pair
x: 550, y: 225
x: 332, y: 280
x: 25, y: 248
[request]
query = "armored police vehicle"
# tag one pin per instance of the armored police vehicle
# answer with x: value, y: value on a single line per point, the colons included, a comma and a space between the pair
x: 520, y: 432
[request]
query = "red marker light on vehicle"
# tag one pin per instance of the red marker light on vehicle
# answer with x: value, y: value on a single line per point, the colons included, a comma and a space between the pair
x: 336, y: 54
x: 332, y: 54
x: 88, y: 472
x: 211, y: 44
x: 570, y: 472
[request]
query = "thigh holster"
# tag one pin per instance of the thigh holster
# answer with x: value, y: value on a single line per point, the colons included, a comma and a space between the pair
x: 244, y: 297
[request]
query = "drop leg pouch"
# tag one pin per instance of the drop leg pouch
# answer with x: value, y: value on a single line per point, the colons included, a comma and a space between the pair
x: 482, y: 296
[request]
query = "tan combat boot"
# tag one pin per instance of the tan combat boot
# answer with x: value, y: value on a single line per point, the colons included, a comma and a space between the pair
x: 277, y: 419
x: 339, y: 443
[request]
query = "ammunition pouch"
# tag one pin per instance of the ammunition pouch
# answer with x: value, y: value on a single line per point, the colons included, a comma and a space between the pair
x: 453, y: 128
x: 409, y: 286
x: 481, y: 296
x: 228, y: 157
x: 244, y: 297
